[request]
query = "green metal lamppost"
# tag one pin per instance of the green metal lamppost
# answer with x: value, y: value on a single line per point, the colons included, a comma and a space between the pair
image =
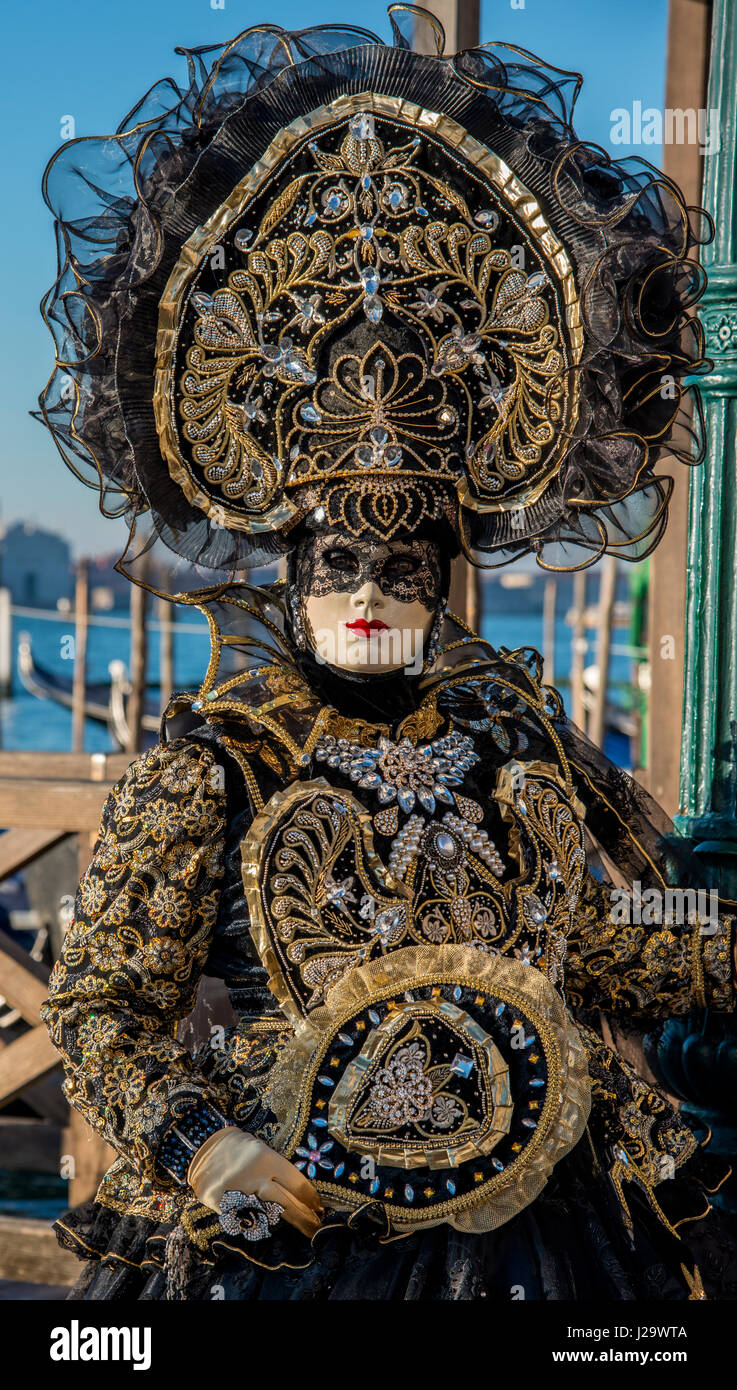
x: 697, y: 1056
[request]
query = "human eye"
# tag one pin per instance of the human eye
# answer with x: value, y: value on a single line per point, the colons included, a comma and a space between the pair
x: 399, y: 566
x: 341, y: 560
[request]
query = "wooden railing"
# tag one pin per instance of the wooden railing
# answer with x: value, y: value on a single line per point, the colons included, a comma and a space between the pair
x: 44, y: 798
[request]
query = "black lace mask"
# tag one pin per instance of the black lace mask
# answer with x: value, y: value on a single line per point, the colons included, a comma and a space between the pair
x: 409, y: 571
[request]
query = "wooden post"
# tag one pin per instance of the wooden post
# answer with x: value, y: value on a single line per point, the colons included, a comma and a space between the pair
x: 607, y: 589
x: 6, y: 643
x: 685, y: 88
x: 461, y: 22
x: 578, y: 647
x: 79, y: 683
x: 549, y: 597
x: 166, y: 613
x: 139, y: 604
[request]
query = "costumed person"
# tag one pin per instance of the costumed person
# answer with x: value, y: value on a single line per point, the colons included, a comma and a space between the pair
x: 365, y: 309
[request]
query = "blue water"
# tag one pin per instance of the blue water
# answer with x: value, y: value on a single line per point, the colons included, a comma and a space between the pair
x: 29, y: 723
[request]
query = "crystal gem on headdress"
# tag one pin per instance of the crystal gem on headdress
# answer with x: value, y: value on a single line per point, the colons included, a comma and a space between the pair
x: 252, y: 410
x: 361, y: 126
x: 373, y: 309
x: 287, y: 360
x: 447, y: 416
x: 392, y: 455
x: 536, y: 280
x: 371, y: 279
x: 487, y: 218
x: 365, y: 455
x: 202, y: 303
x: 242, y: 238
x: 455, y: 352
x: 309, y: 415
x: 379, y: 435
x: 366, y: 231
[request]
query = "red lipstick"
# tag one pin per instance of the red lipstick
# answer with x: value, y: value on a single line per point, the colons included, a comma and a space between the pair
x: 366, y: 629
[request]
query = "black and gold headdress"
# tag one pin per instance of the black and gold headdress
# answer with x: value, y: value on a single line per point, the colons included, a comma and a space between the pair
x: 350, y: 281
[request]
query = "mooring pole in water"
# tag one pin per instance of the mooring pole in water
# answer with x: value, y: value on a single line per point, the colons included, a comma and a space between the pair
x: 79, y: 682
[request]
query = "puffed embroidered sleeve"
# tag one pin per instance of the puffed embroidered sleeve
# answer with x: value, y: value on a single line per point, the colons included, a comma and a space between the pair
x: 134, y: 954
x: 633, y: 949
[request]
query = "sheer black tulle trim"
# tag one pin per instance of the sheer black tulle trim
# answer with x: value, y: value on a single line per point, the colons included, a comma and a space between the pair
x: 124, y: 204
x: 570, y: 1244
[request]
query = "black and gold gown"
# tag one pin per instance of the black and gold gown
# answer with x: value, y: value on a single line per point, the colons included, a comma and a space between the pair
x: 293, y: 831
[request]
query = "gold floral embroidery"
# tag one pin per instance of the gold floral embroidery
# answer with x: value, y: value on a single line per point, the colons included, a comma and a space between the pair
x: 133, y: 956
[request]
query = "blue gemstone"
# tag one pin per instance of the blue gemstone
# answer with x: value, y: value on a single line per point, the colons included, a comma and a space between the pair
x: 538, y: 1081
x: 326, y: 1081
x: 344, y: 1038
x: 409, y: 1193
x: 499, y: 1009
x: 457, y: 992
x: 531, y: 1124
x: 529, y: 1041
x: 374, y: 1016
x: 339, y: 1171
x: 310, y: 218
x: 311, y: 1170
x: 497, y: 1164
x: 323, y: 1124
x: 462, y: 1066
x: 374, y: 1186
x: 450, y: 1186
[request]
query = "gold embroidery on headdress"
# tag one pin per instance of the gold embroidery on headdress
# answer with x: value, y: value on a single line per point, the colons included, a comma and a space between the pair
x: 260, y: 413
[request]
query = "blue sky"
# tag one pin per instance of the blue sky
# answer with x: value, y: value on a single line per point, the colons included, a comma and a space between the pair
x: 93, y: 61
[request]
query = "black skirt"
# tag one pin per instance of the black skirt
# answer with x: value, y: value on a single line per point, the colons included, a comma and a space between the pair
x: 572, y: 1243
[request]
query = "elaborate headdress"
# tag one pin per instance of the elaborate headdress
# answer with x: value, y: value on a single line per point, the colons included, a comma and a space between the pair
x: 337, y: 278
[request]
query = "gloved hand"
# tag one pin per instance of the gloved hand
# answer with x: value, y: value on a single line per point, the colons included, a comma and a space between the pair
x: 232, y: 1160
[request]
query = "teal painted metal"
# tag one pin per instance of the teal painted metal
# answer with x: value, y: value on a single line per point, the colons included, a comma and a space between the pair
x: 708, y: 809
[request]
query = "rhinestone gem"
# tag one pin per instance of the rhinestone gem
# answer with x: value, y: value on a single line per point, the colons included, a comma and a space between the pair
x: 487, y: 218
x: 371, y: 279
x: 203, y: 303
x: 242, y: 238
x: 361, y: 126
x: 309, y: 415
x: 373, y: 309
x: 462, y: 1066
x: 444, y: 844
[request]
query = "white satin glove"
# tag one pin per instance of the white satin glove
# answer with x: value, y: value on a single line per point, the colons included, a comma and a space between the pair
x: 232, y: 1160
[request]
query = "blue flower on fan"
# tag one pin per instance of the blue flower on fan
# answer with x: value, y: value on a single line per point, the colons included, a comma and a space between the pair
x: 313, y: 1157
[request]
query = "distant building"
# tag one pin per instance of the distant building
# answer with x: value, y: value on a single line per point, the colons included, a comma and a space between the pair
x: 35, y: 565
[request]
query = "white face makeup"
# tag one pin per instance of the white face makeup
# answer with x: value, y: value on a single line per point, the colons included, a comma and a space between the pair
x: 368, y: 606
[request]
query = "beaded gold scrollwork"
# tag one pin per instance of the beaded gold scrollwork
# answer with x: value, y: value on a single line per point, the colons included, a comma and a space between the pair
x: 309, y: 869
x: 373, y: 212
